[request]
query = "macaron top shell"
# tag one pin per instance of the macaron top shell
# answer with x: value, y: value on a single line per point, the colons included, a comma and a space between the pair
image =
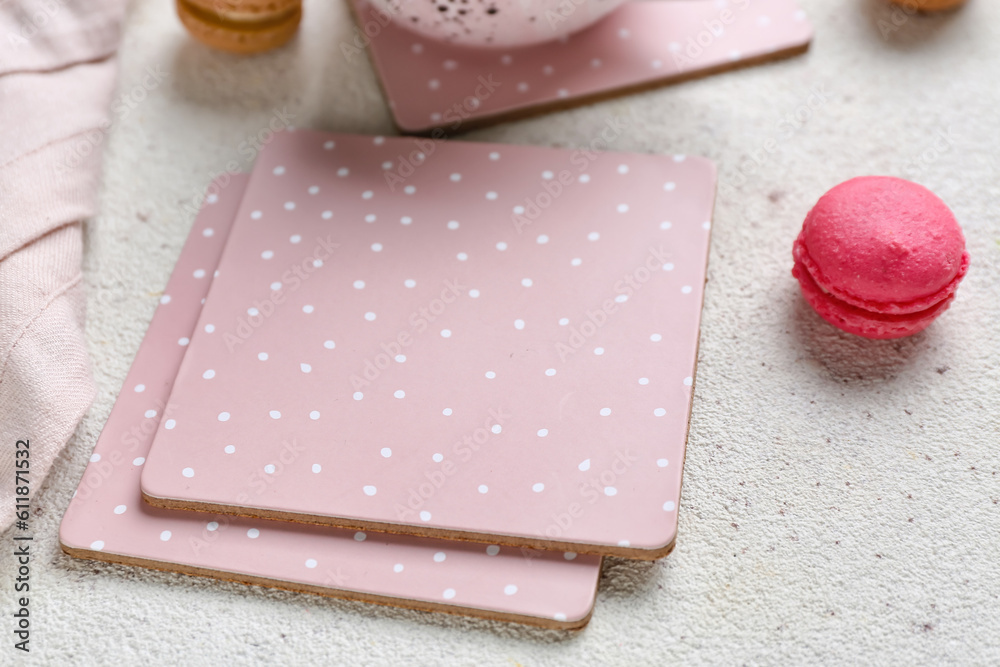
x: 883, y: 244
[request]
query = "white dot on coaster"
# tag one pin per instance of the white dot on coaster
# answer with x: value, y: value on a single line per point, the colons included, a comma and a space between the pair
x: 440, y: 557
x: 269, y: 468
x: 386, y: 452
x: 501, y: 245
x: 94, y: 458
x: 267, y: 254
x: 669, y: 186
x: 668, y: 267
x: 576, y: 261
x: 314, y: 415
x: 212, y: 525
x: 433, y: 84
x: 209, y: 374
x: 542, y: 432
x: 563, y: 321
x: 462, y: 256
x: 669, y: 506
x: 550, y: 372
x: 447, y: 412
x: 97, y: 545
x: 584, y: 465
x: 376, y: 247
x: 317, y: 468
x: 537, y: 487
x: 509, y: 589
x: 274, y: 414
x: 149, y: 414
x: 496, y: 428
x: 406, y: 220
x: 343, y: 171
x: 295, y: 238
x: 313, y: 189
x: 437, y: 457
x: 370, y: 490
x: 622, y: 208
x: 311, y: 563
x: 610, y: 491
x: 665, y: 225
x: 425, y: 515
x: 359, y: 284
x: 584, y: 178
x: 569, y: 555
x: 253, y: 533
x: 397, y: 568
x: 598, y: 351
x: 165, y: 536
x: 410, y: 189
x: 223, y: 416
x: 662, y: 463
x: 370, y: 316
x: 605, y: 412
x: 367, y: 194
x: 360, y: 537
x: 329, y: 344
x: 400, y: 358
x: 120, y: 509
x: 492, y: 550
x: 139, y: 388
x: 490, y: 375
x: 656, y: 338
x: 680, y: 157
x: 686, y: 289
x: 255, y: 215
x: 474, y: 293
x: 278, y: 171
x: 644, y: 381
x: 399, y: 393
x: 593, y: 236
x: 455, y: 178
x: 358, y: 396
x: 326, y: 215
x: 230, y: 449
x: 262, y: 356
x: 289, y: 206
x: 491, y: 195
x: 518, y: 324
x: 446, y: 333
x: 138, y: 461
x: 275, y: 286
x: 527, y: 282
x: 624, y: 543
x: 688, y: 381
x: 199, y: 273
x: 329, y: 145
x: 483, y: 488
x: 305, y: 368
x: 519, y: 210
x: 183, y: 341
x: 659, y: 412
x: 449, y: 593
x: 169, y: 425
x: 308, y: 309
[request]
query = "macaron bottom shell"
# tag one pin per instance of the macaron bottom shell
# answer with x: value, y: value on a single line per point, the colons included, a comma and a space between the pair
x: 862, y: 322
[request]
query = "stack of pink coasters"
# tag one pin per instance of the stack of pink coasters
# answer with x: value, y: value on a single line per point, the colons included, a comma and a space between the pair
x: 432, y: 386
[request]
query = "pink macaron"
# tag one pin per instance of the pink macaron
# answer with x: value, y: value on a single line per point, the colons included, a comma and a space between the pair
x: 880, y: 257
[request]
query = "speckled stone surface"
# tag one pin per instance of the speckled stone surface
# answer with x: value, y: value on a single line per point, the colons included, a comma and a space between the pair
x: 840, y: 503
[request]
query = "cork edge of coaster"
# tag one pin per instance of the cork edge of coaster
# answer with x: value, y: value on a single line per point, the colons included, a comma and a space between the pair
x: 336, y: 593
x: 573, y: 102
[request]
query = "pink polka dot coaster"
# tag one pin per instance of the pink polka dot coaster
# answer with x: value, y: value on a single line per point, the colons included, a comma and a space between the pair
x: 432, y: 84
x: 499, y: 347
x: 107, y: 520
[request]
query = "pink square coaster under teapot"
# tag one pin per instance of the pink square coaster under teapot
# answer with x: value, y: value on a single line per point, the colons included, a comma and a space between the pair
x: 107, y: 520
x: 433, y: 84
x: 498, y: 347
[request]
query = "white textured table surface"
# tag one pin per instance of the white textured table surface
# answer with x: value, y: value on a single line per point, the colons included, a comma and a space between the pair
x: 841, y: 496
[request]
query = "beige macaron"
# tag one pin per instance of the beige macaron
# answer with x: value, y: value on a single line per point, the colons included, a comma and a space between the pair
x: 241, y: 26
x: 929, y: 5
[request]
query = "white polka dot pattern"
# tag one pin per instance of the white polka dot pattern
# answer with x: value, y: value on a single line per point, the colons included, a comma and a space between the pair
x: 404, y: 354
x: 107, y: 512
